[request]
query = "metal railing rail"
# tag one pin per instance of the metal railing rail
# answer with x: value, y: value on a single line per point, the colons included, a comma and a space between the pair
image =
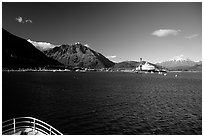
x: 12, y: 125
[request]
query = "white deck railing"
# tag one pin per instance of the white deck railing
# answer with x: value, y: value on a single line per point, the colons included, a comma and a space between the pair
x: 12, y: 125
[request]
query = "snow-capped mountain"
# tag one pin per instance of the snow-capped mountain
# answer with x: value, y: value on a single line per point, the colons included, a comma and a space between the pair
x: 42, y: 46
x: 178, y: 62
x: 179, y: 58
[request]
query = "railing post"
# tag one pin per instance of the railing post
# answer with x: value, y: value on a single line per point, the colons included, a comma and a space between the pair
x: 34, y: 124
x: 50, y: 130
x: 14, y: 126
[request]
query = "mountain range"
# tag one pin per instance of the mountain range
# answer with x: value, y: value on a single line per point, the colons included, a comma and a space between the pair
x: 20, y: 53
x: 181, y: 64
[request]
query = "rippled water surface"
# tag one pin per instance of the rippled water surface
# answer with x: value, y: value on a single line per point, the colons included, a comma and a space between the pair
x: 106, y: 103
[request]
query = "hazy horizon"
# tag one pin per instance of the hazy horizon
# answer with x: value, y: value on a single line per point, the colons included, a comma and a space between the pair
x: 120, y: 31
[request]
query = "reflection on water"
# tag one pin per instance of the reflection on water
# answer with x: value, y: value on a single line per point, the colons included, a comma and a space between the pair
x: 106, y: 103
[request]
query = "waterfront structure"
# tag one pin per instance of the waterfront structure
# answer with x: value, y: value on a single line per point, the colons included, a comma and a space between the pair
x: 145, y: 66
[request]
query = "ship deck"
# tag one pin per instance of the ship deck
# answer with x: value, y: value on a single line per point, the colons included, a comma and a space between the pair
x: 27, y: 126
x: 25, y: 131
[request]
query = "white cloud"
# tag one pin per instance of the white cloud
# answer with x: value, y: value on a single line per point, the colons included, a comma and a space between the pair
x: 111, y: 57
x: 21, y: 20
x: 191, y: 36
x: 29, y: 21
x: 165, y: 32
x: 42, y: 45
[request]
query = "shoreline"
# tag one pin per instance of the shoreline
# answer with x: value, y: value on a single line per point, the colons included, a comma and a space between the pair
x: 67, y: 70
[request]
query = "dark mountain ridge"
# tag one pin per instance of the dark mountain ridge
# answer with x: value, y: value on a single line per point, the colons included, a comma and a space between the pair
x: 19, y: 53
x: 78, y: 55
x: 126, y: 65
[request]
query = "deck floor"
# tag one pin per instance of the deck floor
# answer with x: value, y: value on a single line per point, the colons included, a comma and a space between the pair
x: 25, y: 131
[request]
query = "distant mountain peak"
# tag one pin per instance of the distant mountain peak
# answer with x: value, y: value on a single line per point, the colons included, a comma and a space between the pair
x: 179, y: 58
x: 78, y: 55
x: 178, y: 63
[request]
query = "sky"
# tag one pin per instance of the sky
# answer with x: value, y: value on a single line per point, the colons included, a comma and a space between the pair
x: 120, y: 31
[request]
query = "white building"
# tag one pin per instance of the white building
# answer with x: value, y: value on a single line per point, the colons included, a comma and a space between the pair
x: 145, y: 67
